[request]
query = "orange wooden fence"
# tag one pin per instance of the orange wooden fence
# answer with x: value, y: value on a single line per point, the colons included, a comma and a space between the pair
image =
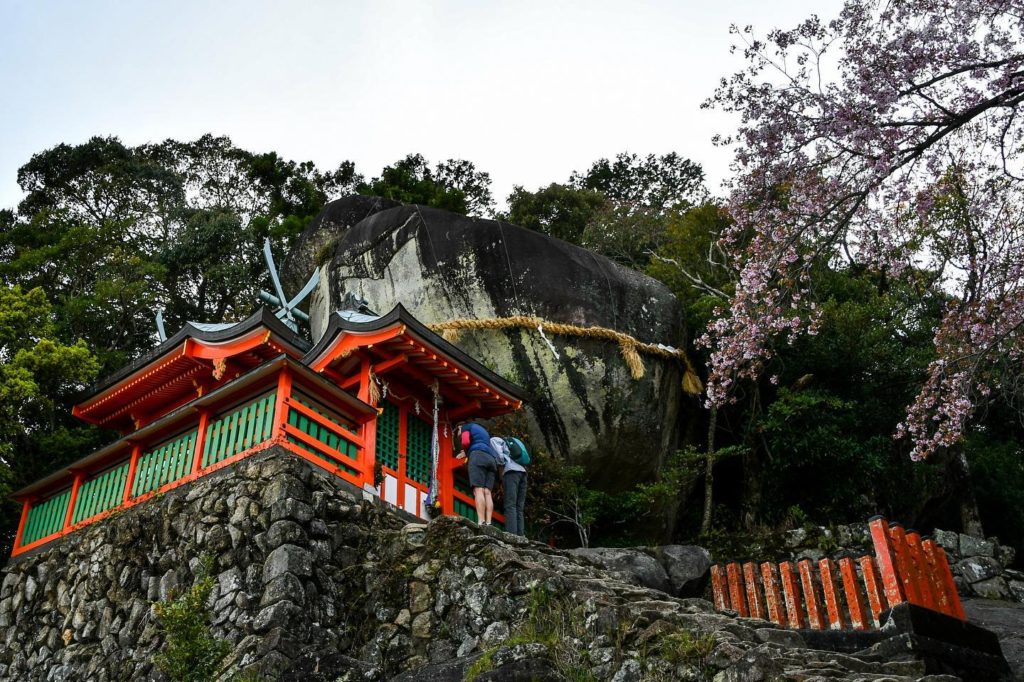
x: 905, y: 568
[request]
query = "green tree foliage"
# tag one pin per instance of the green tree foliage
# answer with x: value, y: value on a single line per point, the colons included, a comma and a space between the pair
x: 656, y: 182
x: 454, y: 185
x: 38, y: 376
x: 620, y: 209
x: 191, y: 653
x: 557, y: 210
x: 110, y: 232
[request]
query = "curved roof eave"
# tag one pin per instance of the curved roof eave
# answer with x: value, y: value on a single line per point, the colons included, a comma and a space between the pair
x: 263, y: 317
x: 399, y: 314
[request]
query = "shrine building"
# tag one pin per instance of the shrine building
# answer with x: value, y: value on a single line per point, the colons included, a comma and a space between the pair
x: 373, y: 402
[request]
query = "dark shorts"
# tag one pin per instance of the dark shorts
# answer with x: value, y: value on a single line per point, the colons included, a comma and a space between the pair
x: 483, y: 470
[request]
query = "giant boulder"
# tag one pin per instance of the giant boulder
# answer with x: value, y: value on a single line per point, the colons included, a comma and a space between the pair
x: 583, y: 403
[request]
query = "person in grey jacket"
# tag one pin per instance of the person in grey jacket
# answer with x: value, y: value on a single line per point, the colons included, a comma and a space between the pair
x: 514, y: 482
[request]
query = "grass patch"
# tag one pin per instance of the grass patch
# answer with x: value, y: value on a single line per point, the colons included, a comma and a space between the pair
x: 685, y: 648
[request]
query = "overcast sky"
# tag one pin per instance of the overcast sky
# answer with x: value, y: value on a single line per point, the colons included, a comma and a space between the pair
x: 529, y: 91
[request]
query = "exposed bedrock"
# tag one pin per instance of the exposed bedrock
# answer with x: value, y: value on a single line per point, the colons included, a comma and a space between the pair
x: 583, y: 403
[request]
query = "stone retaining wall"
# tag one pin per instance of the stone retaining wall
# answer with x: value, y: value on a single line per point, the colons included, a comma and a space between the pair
x: 315, y: 582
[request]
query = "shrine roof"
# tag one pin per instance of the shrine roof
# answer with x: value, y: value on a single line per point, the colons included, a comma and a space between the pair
x: 341, y: 324
x: 174, y: 365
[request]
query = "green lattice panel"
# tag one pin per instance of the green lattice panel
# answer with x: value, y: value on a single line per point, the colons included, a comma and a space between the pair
x: 465, y: 510
x: 164, y: 464
x: 417, y: 449
x: 242, y: 428
x: 46, y: 517
x: 461, y: 480
x: 102, y: 492
x: 387, y: 437
x: 327, y: 436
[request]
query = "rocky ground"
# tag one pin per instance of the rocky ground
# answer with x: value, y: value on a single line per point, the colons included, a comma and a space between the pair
x: 1006, y: 619
x: 315, y: 581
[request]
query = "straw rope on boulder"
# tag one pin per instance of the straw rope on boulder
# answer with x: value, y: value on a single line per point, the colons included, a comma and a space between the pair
x: 630, y: 347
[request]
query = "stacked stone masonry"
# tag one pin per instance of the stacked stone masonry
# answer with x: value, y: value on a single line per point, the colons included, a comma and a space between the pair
x: 316, y: 582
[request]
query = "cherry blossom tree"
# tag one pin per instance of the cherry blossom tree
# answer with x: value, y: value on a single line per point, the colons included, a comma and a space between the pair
x: 889, y: 138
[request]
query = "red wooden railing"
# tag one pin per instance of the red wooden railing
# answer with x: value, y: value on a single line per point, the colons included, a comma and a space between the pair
x: 905, y: 568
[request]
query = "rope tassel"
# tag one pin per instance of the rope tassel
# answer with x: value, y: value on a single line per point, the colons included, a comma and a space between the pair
x: 632, y: 358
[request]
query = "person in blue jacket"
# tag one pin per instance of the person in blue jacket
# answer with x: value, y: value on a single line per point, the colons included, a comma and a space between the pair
x: 475, y: 444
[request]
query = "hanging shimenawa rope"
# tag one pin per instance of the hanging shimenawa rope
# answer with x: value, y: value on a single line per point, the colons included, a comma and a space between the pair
x: 630, y: 347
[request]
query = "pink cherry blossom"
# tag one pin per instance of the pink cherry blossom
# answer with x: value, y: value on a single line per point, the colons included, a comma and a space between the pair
x: 893, y: 138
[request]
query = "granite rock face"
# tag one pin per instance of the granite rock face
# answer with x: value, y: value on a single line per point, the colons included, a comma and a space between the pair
x: 355, y: 591
x: 583, y: 404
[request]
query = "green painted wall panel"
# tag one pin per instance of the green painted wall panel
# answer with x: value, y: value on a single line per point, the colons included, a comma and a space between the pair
x: 100, y: 493
x: 46, y: 517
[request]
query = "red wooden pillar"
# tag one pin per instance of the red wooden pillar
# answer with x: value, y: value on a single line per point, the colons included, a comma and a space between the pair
x: 942, y: 597
x: 873, y: 587
x: 946, y: 575
x: 25, y: 506
x: 445, y: 469
x: 753, y: 594
x: 886, y: 561
x: 921, y: 571
x: 791, y: 590
x: 772, y: 598
x: 204, y: 423
x: 284, y: 391
x: 854, y: 602
x: 829, y: 589
x: 735, y: 578
x: 403, y: 450
x: 368, y: 461
x: 904, y: 564
x: 719, y: 591
x: 133, y: 465
x: 811, y: 595
x: 75, y: 485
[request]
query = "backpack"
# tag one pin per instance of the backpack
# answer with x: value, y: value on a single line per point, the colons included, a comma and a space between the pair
x: 517, y: 451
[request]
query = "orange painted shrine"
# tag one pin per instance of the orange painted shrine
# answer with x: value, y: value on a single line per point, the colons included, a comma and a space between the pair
x: 360, y: 404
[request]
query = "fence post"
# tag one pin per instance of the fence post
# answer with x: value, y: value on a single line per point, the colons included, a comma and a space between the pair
x: 753, y: 594
x: 811, y: 595
x: 873, y: 587
x: 732, y: 572
x: 904, y: 564
x: 718, y: 587
x: 946, y: 576
x: 886, y: 562
x: 791, y: 590
x: 771, y: 592
x: 854, y: 602
x: 920, y: 571
x: 828, y: 587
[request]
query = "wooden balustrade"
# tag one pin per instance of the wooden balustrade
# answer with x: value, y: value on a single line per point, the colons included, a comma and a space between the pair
x: 905, y: 567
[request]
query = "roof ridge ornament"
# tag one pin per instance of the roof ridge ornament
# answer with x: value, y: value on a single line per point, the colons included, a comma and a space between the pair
x: 287, y: 311
x: 160, y: 331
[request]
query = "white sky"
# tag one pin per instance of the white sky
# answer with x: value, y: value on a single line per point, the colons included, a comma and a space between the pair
x: 528, y: 91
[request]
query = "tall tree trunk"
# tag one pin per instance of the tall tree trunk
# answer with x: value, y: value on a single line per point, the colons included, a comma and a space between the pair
x: 970, y: 517
x: 752, y: 469
x: 709, y: 478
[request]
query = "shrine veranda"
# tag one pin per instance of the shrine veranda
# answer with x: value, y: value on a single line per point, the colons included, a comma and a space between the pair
x: 373, y: 402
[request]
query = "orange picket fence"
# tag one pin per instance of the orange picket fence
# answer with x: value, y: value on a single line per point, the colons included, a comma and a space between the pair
x: 850, y: 594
